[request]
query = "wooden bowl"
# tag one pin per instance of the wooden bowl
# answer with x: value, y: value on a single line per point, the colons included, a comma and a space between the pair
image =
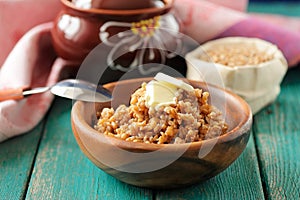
x: 162, y: 165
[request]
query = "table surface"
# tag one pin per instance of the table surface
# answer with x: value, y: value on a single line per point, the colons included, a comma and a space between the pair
x: 46, y: 163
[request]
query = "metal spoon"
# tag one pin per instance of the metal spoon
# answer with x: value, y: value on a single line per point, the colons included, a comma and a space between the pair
x: 69, y: 88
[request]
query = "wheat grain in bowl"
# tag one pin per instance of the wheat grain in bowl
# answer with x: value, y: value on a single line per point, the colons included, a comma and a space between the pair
x: 163, y: 111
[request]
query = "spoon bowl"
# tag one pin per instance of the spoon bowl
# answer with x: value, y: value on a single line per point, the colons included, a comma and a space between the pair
x: 70, y: 88
x: 81, y: 90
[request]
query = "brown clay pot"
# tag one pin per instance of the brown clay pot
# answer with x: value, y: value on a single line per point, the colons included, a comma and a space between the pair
x: 78, y: 31
x: 122, y: 5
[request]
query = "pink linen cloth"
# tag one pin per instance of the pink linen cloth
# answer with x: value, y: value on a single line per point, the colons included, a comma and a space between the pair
x: 19, y: 16
x: 27, y: 59
x: 31, y: 60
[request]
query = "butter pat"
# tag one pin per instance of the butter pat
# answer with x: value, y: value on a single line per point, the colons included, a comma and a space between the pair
x: 169, y: 80
x: 159, y: 93
x: 162, y: 90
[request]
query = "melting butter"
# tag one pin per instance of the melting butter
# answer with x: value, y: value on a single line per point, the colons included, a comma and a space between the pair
x: 173, y: 81
x: 158, y: 94
x: 162, y: 90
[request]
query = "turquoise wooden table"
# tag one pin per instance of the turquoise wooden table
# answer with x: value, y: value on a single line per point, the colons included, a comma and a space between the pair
x: 46, y: 163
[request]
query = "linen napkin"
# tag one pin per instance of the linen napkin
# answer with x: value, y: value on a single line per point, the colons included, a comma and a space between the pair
x: 204, y: 20
x: 31, y: 63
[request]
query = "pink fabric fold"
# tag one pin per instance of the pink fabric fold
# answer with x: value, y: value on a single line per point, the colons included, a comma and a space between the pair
x: 203, y: 20
x: 287, y: 22
x: 240, y: 5
x: 32, y: 63
x: 19, y: 16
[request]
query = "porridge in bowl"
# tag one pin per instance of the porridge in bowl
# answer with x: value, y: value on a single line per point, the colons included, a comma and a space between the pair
x: 165, y: 110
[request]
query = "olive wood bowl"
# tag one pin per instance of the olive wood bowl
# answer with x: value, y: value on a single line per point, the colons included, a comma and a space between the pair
x: 162, y: 165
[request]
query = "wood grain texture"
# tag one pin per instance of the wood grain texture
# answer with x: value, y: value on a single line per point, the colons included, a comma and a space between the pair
x: 61, y: 171
x: 240, y: 181
x: 279, y: 7
x: 277, y: 131
x: 16, y: 161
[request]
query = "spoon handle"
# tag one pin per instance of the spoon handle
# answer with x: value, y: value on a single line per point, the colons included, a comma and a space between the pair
x: 11, y: 94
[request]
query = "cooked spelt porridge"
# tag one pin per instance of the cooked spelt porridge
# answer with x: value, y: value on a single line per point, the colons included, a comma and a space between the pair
x: 190, y: 119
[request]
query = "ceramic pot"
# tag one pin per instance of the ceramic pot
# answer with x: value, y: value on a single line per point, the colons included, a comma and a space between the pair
x: 115, y: 4
x: 123, y: 5
x: 128, y: 38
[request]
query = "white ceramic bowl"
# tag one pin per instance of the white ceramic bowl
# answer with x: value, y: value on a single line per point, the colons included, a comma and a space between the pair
x: 258, y: 84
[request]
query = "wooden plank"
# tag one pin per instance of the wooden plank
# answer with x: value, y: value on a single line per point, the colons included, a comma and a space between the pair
x: 277, y: 131
x: 275, y: 7
x: 16, y: 161
x: 62, y: 171
x: 240, y: 181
